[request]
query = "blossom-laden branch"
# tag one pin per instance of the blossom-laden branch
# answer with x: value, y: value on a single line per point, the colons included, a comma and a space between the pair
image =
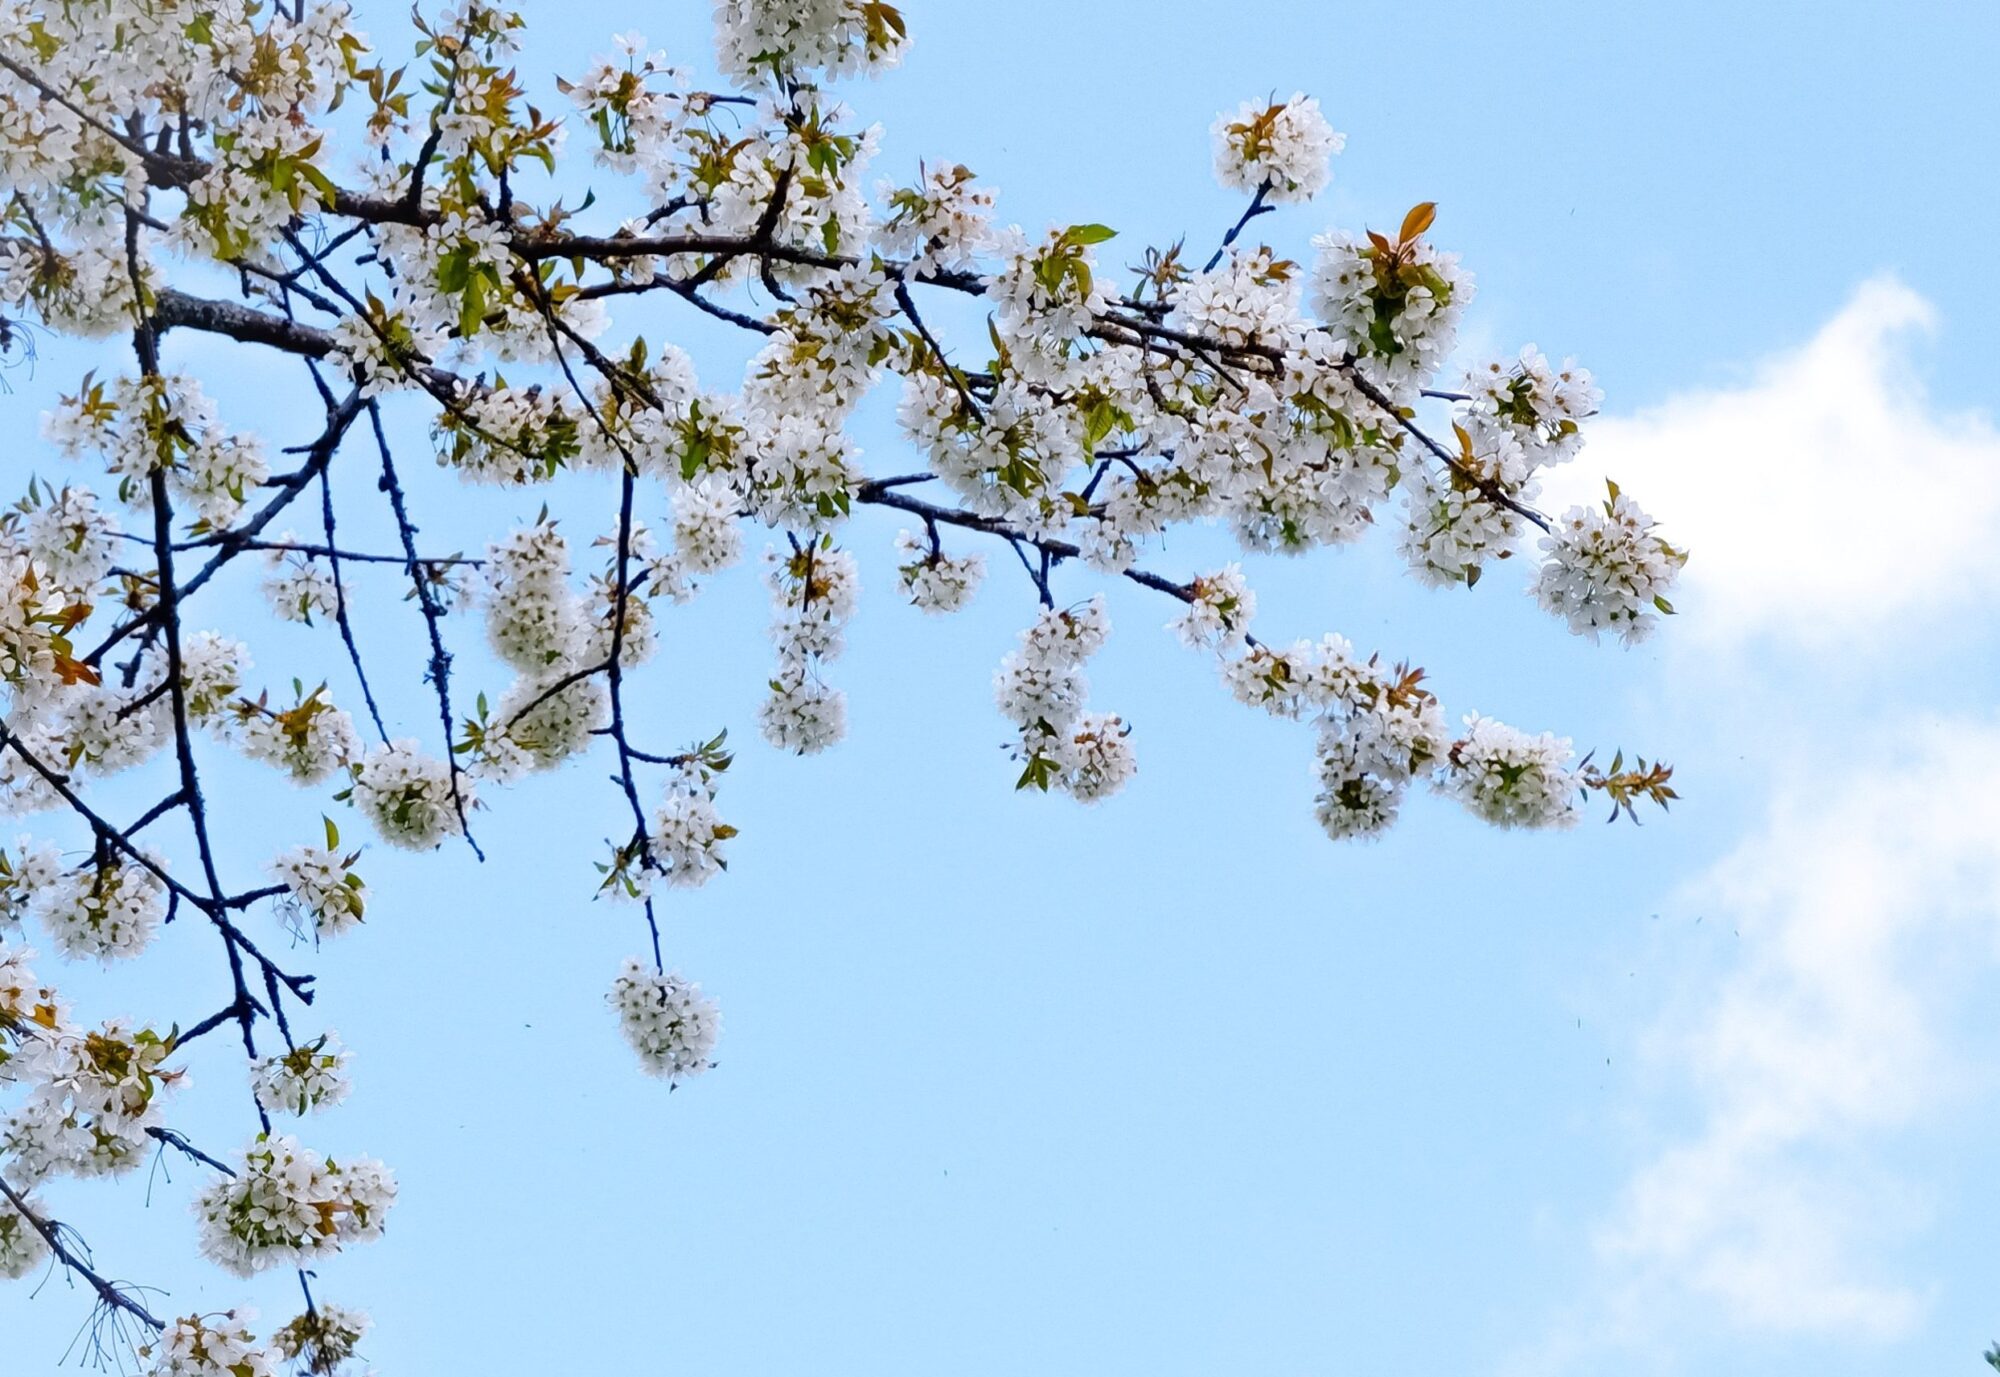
x: 1297, y: 405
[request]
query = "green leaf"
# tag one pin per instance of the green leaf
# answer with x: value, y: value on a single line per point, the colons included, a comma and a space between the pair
x: 472, y: 307
x: 453, y: 270
x: 1089, y: 234
x: 321, y: 183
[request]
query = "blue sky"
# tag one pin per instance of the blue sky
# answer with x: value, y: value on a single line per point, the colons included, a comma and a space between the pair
x: 1174, y: 1085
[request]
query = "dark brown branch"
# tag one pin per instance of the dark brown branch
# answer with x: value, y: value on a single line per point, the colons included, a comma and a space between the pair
x: 109, y: 1293
x: 169, y: 1138
x: 1256, y: 208
x: 340, y: 618
x: 439, y: 671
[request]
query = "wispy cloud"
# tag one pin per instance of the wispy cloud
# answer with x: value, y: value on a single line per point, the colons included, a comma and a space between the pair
x: 1858, y: 903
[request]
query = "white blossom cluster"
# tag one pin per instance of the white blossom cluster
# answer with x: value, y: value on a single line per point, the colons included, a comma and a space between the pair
x: 1520, y: 416
x: 1248, y: 298
x: 385, y: 351
x: 707, y: 539
x: 299, y: 585
x: 827, y: 347
x: 289, y: 1205
x: 934, y: 581
x: 67, y: 714
x: 1543, y: 407
x: 637, y: 105
x: 653, y: 432
x: 542, y: 720
x: 103, y: 728
x: 506, y: 436
x: 619, y: 615
x: 409, y: 795
x: 1283, y: 147
x: 210, y: 1346
x: 213, y: 668
x: 322, y: 1339
x: 88, y: 1095
x: 803, y: 137
x: 108, y: 729
x: 798, y: 390
x: 162, y: 424
x: 1047, y: 293
x: 1219, y: 613
x: 26, y: 873
x: 1041, y: 689
x: 238, y: 204
x: 84, y: 287
x: 29, y: 642
x: 109, y: 910
x: 533, y: 616
x: 668, y: 1021
x: 1378, y: 729
x: 22, y: 1247
x: 687, y: 834
x: 557, y: 640
x: 310, y: 1077
x: 323, y: 896
x: 309, y: 741
x: 1452, y: 528
x: 24, y: 789
x: 67, y: 536
x: 757, y: 40
x: 1394, y: 307
x: 814, y: 590
x: 1606, y: 570
x: 22, y: 996
x: 944, y: 221
x: 1511, y: 779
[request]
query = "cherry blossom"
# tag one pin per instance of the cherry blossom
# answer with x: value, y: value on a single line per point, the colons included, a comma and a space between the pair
x: 395, y: 231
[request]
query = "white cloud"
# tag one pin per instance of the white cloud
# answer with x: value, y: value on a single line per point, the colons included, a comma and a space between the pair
x: 1826, y: 503
x: 1824, y: 496
x: 1858, y: 904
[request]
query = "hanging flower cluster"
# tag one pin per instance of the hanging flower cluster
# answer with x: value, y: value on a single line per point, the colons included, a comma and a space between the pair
x: 210, y: 1346
x: 814, y: 590
x: 323, y: 1339
x: 934, y: 581
x: 288, y: 1205
x: 323, y: 896
x: 1607, y: 570
x: 310, y: 1077
x: 320, y: 1342
x: 162, y: 425
x: 109, y: 910
x: 667, y: 1020
x: 22, y: 1247
x: 412, y: 798
x: 299, y: 585
x: 1041, y: 689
